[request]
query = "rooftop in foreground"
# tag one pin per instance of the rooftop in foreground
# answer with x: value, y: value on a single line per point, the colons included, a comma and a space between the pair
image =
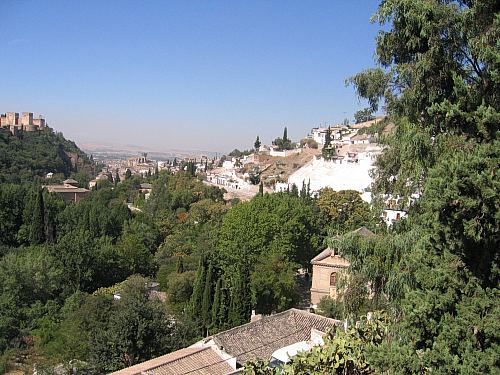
x: 202, y: 361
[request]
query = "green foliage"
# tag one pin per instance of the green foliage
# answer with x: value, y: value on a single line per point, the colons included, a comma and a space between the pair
x: 274, y: 223
x: 198, y: 289
x: 331, y: 308
x: 11, y: 213
x: 36, y: 233
x: 344, y: 211
x: 180, y: 288
x: 439, y: 81
x: 238, y: 154
x: 109, y: 335
x: 207, y: 300
x: 283, y: 143
x: 273, y: 283
x: 240, y: 307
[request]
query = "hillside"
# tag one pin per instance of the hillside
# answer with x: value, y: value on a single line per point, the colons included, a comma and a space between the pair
x: 279, y: 168
x: 29, y: 155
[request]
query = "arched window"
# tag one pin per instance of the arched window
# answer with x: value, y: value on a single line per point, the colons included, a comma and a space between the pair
x: 333, y: 279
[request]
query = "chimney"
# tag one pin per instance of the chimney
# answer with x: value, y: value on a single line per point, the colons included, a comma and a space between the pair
x: 255, y: 317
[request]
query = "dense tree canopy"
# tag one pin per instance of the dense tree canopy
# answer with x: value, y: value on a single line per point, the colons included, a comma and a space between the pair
x: 274, y: 224
x: 439, y: 81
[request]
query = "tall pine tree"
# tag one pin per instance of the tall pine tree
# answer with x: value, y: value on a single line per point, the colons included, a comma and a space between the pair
x: 327, y: 152
x: 216, y: 304
x: 241, y: 303
x: 198, y: 287
x: 37, y: 228
x: 257, y: 144
x: 206, y: 304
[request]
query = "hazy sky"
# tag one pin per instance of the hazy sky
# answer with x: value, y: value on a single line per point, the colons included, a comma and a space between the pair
x: 207, y: 75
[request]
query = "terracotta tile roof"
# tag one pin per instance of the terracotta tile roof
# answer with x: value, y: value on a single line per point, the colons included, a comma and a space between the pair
x: 261, y: 338
x: 324, y: 254
x: 64, y: 189
x: 204, y: 361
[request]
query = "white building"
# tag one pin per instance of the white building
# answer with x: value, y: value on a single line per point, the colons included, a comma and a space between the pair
x: 350, y: 170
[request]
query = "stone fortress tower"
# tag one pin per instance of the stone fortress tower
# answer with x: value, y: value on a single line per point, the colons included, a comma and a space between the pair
x: 26, y: 123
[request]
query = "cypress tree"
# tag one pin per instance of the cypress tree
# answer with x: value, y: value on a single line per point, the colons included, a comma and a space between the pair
x: 261, y: 189
x: 257, y: 144
x: 128, y: 174
x: 241, y: 304
x: 303, y: 191
x: 285, y: 135
x: 206, y: 305
x: 217, y: 304
x: 327, y: 151
x: 157, y: 172
x: 223, y: 312
x: 198, y: 285
x: 117, y: 177
x: 37, y: 228
x: 294, y: 191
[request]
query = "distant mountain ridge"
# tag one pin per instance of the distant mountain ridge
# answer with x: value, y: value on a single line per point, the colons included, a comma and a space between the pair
x: 29, y: 156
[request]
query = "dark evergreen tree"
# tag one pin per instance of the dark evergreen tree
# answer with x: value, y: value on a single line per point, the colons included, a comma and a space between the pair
x: 216, y: 304
x: 128, y: 174
x: 241, y: 302
x: 327, y: 152
x: 257, y: 144
x: 261, y: 188
x: 37, y: 228
x: 117, y: 177
x: 198, y: 289
x: 294, y: 191
x: 223, y: 311
x: 303, y: 191
x: 285, y: 135
x: 157, y: 172
x: 206, y: 304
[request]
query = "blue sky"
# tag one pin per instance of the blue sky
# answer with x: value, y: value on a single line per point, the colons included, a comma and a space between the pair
x: 207, y: 75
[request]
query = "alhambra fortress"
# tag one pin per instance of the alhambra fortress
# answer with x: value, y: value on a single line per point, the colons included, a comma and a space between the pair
x: 25, y: 122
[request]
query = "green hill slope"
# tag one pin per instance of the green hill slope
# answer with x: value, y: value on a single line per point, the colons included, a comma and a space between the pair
x: 29, y: 156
